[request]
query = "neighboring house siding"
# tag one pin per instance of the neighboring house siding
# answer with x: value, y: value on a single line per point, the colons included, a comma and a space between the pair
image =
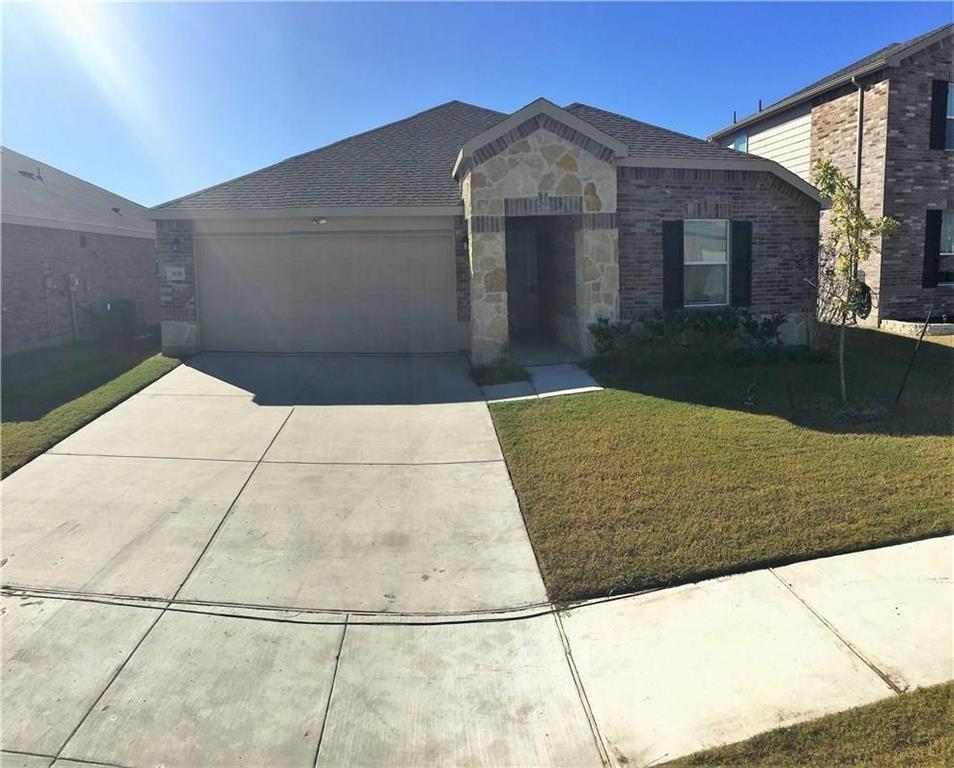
x: 37, y: 263
x: 786, y: 140
x: 784, y: 232
x: 834, y: 132
x: 917, y: 178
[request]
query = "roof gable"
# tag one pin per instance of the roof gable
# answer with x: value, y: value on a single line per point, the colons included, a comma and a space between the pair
x: 537, y: 114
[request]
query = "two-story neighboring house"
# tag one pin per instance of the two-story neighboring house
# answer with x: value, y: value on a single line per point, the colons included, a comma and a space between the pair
x: 887, y: 121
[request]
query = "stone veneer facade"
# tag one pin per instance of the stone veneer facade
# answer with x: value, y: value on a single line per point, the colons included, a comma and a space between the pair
x: 540, y: 168
x: 901, y: 176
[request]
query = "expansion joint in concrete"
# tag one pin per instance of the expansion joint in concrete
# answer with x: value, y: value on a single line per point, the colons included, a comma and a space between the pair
x: 581, y: 692
x: 885, y: 678
x: 331, y: 689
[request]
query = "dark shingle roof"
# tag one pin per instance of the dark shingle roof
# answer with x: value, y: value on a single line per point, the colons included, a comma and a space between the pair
x: 645, y: 139
x: 871, y: 62
x: 407, y: 163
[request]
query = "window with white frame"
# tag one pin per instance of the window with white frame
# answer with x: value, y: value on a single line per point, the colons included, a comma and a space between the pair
x: 945, y: 261
x: 705, y: 262
x: 741, y: 143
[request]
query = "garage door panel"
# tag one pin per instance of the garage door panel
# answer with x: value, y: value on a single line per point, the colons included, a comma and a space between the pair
x: 391, y: 293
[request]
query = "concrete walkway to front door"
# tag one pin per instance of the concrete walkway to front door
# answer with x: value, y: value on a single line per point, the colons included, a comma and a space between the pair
x: 291, y: 561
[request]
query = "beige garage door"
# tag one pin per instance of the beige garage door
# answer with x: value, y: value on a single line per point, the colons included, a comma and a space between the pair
x: 331, y: 293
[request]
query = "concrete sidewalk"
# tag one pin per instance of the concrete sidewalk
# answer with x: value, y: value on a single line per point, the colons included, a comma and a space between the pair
x: 680, y: 670
x: 632, y: 682
x: 550, y: 380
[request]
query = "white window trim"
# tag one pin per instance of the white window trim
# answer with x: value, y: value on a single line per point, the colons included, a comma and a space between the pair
x: 949, y: 118
x: 728, y: 266
x: 941, y: 254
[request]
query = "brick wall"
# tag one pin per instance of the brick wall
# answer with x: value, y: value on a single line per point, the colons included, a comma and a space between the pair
x: 784, y: 231
x: 36, y: 290
x: 917, y: 178
x: 175, y: 248
x: 834, y: 131
x: 462, y: 265
x: 901, y: 176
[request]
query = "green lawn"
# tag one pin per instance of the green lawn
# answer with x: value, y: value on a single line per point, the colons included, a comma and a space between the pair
x: 914, y: 729
x: 686, y: 468
x: 48, y: 394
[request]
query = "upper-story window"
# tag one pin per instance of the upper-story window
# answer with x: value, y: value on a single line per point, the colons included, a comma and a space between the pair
x: 942, y: 115
x: 741, y: 143
x: 705, y: 262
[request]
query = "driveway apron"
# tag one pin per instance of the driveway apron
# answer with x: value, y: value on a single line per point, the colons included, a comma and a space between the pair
x: 278, y: 560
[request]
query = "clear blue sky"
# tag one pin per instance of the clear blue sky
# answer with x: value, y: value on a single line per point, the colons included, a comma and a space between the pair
x: 153, y: 101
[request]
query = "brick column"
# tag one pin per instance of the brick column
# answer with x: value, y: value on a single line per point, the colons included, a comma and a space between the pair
x: 175, y: 245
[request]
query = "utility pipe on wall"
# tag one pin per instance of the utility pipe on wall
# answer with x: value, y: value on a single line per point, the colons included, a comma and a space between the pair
x: 859, y: 134
x: 859, y: 143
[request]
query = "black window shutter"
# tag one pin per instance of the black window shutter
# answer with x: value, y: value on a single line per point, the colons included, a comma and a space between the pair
x: 932, y: 249
x: 740, y: 273
x: 672, y: 265
x: 938, y: 114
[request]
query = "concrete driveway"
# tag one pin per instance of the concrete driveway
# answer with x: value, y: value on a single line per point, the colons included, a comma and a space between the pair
x: 181, y: 575
x: 345, y: 484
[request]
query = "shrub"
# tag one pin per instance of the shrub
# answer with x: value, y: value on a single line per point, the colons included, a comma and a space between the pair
x: 766, y: 331
x: 715, y: 331
x: 610, y: 338
x: 666, y: 327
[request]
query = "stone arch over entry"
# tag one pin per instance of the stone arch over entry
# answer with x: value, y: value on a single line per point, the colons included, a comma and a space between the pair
x: 541, y: 166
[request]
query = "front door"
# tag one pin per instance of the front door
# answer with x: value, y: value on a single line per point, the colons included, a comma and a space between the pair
x: 523, y: 280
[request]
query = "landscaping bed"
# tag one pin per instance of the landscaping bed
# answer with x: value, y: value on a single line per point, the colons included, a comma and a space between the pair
x: 50, y: 393
x: 689, y: 466
x: 913, y: 729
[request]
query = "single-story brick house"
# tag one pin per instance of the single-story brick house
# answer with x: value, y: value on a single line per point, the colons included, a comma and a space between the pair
x: 462, y: 228
x: 69, y: 248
